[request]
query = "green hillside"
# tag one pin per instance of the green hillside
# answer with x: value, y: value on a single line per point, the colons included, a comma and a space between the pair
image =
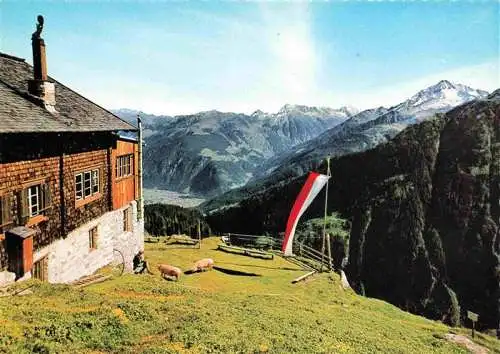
x: 213, y: 312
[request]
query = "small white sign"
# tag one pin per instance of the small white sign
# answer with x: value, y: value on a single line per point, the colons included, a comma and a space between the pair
x: 472, y: 316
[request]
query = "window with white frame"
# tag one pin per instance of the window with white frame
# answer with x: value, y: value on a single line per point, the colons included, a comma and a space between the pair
x: 79, y: 186
x: 124, y: 165
x: 95, y: 181
x: 87, y: 184
x: 34, y: 200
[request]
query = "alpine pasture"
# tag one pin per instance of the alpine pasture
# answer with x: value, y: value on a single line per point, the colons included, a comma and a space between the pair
x: 214, y: 312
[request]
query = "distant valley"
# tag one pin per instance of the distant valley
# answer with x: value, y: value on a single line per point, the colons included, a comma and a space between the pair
x: 211, y: 152
x: 161, y: 196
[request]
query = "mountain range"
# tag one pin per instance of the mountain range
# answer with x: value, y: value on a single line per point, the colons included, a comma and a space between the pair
x: 368, y: 128
x: 211, y: 152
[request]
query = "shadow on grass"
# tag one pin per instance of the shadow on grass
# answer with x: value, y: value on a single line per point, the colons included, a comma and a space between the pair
x: 225, y: 271
x: 236, y: 272
x: 258, y: 266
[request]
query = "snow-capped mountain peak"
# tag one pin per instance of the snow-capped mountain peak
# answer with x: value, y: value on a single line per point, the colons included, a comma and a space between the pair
x: 445, y: 84
x: 325, y: 112
x: 441, y: 96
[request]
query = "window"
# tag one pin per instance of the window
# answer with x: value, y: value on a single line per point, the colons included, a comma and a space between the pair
x: 40, y: 269
x: 127, y: 220
x: 93, y: 238
x: 33, y: 201
x: 95, y: 181
x: 87, y: 184
x: 79, y: 186
x: 124, y: 165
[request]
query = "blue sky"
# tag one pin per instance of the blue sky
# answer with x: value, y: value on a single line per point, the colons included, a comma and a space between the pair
x: 178, y: 57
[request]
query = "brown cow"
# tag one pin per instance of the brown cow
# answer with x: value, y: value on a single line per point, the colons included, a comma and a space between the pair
x: 168, y: 270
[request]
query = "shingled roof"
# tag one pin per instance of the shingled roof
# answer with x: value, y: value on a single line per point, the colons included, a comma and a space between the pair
x: 21, y: 112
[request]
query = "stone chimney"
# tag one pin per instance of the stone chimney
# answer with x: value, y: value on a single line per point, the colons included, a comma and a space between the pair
x: 40, y: 86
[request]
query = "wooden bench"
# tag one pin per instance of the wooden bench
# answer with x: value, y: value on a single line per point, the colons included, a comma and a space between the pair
x: 245, y: 252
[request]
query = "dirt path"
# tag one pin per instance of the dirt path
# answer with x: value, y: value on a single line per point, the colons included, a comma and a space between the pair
x: 467, y: 343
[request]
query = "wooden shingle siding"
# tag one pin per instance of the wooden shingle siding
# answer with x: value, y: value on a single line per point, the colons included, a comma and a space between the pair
x: 61, y: 218
x: 77, y: 215
x: 14, y: 179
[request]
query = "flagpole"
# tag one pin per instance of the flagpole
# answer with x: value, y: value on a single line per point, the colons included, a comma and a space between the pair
x: 199, y: 234
x: 326, y: 214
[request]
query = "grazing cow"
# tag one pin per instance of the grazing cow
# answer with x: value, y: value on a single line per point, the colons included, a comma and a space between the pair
x: 168, y: 270
x: 204, y: 264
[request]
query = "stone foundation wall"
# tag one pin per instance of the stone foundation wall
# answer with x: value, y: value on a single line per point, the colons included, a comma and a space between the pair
x: 72, y: 258
x: 130, y: 243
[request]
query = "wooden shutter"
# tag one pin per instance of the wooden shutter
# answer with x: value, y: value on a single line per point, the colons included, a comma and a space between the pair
x: 46, y: 196
x: 5, y: 208
x: 23, y: 207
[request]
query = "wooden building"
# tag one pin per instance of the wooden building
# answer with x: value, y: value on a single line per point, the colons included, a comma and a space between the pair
x: 69, y: 183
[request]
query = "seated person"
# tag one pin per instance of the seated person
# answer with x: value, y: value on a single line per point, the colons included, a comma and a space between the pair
x: 140, y: 265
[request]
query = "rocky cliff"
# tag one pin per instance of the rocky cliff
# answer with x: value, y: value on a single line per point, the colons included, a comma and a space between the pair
x: 424, y: 211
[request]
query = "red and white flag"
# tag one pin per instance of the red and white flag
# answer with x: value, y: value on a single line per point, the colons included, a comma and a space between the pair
x: 314, y: 183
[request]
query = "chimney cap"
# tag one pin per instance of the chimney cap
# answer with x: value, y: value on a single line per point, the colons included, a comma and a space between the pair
x: 39, y: 27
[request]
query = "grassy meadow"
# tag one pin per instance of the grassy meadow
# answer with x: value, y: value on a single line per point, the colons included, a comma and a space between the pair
x: 213, y: 312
